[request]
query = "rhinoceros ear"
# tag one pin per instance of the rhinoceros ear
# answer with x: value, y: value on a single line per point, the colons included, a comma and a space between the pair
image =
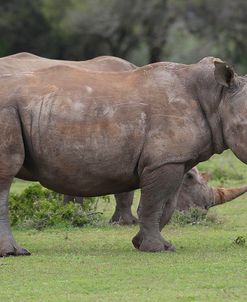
x: 206, y: 176
x: 223, y: 73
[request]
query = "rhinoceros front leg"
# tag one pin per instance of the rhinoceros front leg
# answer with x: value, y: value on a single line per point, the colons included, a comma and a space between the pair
x: 169, y: 209
x: 157, y: 188
x: 123, y: 214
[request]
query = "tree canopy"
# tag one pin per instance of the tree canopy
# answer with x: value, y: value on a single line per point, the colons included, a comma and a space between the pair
x: 140, y: 31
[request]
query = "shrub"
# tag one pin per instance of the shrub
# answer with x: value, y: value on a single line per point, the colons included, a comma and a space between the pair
x: 39, y: 208
x: 194, y: 216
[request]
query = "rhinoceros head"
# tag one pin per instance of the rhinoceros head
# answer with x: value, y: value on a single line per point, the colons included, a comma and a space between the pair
x: 195, y: 192
x: 233, y: 108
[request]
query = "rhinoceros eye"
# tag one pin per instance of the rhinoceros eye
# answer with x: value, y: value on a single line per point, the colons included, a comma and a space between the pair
x: 189, y: 176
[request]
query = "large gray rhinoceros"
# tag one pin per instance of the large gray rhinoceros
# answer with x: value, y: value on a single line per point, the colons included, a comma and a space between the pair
x: 88, y: 133
x: 193, y: 193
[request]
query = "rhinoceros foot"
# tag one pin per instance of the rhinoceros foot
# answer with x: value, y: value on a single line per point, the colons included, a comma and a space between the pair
x: 124, y: 219
x: 128, y: 220
x: 11, y: 248
x: 156, y: 246
x: 152, y: 245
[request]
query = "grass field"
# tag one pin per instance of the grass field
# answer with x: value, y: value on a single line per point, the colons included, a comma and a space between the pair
x: 100, y: 263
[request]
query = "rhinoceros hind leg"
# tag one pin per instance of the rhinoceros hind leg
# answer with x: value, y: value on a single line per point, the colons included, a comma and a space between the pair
x: 8, y: 246
x: 123, y: 214
x: 11, y: 161
x: 157, y: 187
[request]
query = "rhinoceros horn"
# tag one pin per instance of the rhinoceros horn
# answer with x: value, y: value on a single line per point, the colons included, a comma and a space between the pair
x: 222, y: 195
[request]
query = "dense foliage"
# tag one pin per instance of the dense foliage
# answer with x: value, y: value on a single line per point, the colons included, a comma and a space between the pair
x: 38, y: 207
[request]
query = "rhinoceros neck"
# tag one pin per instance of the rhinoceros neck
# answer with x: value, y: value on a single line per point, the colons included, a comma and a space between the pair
x: 198, y: 82
x: 208, y: 94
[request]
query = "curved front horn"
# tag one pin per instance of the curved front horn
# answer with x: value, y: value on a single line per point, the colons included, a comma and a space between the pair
x: 222, y: 195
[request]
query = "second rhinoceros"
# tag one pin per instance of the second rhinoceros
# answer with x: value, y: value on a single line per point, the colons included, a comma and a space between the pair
x: 88, y: 133
x: 194, y: 193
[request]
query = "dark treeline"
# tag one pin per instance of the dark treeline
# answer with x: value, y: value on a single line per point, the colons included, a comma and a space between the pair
x: 141, y: 31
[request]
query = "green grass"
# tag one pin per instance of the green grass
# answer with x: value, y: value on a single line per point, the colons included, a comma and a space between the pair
x: 100, y: 263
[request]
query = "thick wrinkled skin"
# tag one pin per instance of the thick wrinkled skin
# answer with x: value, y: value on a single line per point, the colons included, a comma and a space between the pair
x: 88, y: 133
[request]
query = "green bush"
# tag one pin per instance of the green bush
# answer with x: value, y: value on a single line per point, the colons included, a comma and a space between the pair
x: 38, y: 207
x: 194, y: 216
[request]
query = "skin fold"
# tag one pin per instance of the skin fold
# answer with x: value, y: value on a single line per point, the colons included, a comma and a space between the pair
x: 91, y: 133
